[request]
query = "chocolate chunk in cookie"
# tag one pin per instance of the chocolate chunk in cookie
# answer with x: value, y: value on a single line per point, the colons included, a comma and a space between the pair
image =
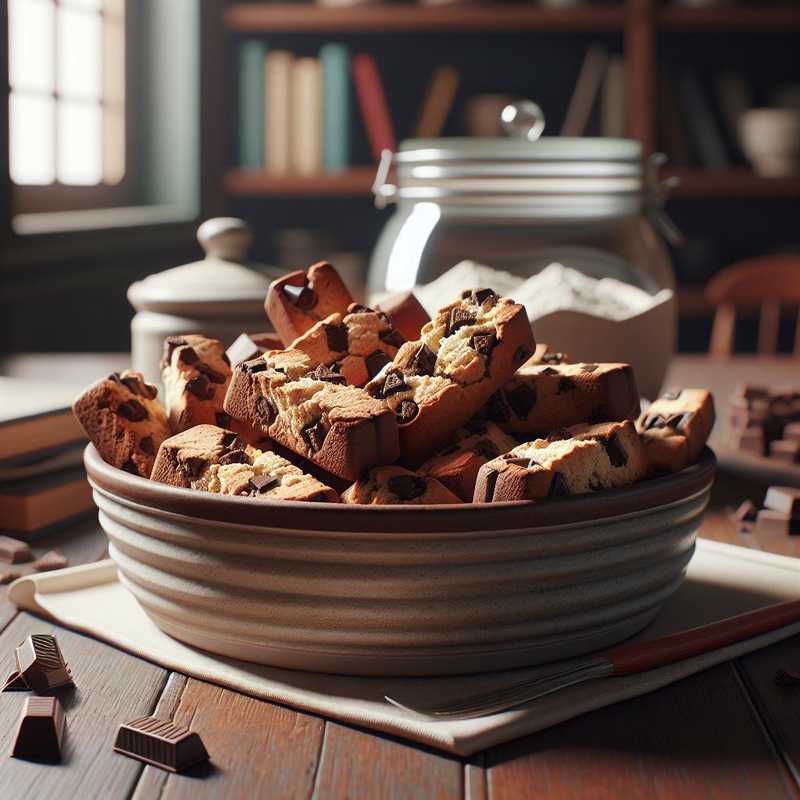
x: 616, y: 454
x: 265, y: 411
x: 314, y: 435
x: 211, y: 374
x: 303, y: 297
x: 407, y: 487
x: 406, y: 411
x: 263, y: 483
x: 394, y: 383
x: 521, y: 353
x: 522, y: 399
x: 132, y: 410
x: 497, y: 408
x: 558, y: 487
x: 234, y: 457
x: 336, y: 336
x: 188, y: 355
x: 566, y: 384
x: 254, y: 366
x: 200, y: 387
x: 147, y: 446
x: 423, y: 361
x: 393, y: 338
x: 375, y: 362
x: 484, y: 343
x: 459, y: 317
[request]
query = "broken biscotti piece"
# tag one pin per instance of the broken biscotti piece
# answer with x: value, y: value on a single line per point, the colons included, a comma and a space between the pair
x: 457, y: 466
x: 543, y: 397
x: 604, y: 456
x: 675, y: 428
x: 468, y: 351
x: 307, y: 408
x: 398, y: 486
x: 216, y: 460
x: 406, y: 314
x: 298, y: 300
x: 355, y: 345
x: 125, y: 422
x: 196, y: 372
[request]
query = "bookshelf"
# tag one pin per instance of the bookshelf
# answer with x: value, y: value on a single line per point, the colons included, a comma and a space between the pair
x: 639, y: 22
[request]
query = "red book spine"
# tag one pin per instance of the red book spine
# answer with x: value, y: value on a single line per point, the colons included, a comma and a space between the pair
x: 374, y: 108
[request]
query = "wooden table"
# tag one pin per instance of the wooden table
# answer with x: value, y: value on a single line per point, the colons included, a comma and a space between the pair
x: 729, y: 732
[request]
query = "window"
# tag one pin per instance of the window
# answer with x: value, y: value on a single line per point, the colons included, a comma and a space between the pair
x: 67, y: 108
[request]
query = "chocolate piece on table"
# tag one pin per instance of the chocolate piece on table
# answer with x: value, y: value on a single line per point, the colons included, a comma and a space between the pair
x: 12, y: 551
x: 792, y: 432
x: 15, y: 683
x: 160, y: 743
x: 49, y: 561
x: 749, y: 440
x: 746, y: 512
x: 785, y: 450
x: 40, y: 730
x: 777, y: 522
x: 784, y: 499
x: 406, y: 314
x: 41, y: 664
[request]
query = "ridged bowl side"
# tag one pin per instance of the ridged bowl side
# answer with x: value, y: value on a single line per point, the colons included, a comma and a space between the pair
x: 448, y: 593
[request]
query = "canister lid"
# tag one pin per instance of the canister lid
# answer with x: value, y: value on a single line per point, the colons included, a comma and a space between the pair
x: 222, y: 282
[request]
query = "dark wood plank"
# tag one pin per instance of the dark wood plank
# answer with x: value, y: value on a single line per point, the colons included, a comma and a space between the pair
x: 81, y: 543
x: 257, y: 749
x: 356, y: 763
x: 696, y: 738
x: 111, y: 687
x: 778, y: 706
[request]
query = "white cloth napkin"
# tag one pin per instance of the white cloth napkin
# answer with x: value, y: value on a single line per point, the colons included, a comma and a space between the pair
x: 722, y: 581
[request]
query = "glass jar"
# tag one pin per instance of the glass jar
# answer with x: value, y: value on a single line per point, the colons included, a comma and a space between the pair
x: 518, y: 205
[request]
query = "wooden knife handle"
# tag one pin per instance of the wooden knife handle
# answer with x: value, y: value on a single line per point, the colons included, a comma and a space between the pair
x: 641, y: 656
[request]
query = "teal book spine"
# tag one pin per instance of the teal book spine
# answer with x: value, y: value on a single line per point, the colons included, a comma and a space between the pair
x: 252, y: 54
x: 335, y: 60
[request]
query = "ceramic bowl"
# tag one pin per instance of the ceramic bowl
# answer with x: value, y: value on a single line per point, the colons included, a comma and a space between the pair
x: 404, y: 590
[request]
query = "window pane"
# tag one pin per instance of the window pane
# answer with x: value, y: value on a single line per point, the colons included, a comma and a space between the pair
x: 31, y: 138
x: 113, y: 145
x: 30, y: 44
x: 80, y: 154
x: 113, y: 62
x: 114, y: 8
x: 82, y: 3
x: 79, y: 60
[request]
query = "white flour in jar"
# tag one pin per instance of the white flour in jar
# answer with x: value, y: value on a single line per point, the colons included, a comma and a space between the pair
x: 555, y: 288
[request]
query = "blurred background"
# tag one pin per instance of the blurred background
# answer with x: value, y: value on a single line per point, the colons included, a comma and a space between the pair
x: 128, y: 123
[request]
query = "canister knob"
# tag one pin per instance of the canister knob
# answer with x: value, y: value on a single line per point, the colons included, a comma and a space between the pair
x: 523, y: 119
x: 228, y: 238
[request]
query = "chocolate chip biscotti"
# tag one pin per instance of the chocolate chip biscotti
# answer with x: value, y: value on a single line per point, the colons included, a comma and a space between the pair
x: 215, y: 460
x: 355, y: 345
x: 609, y: 455
x: 306, y: 407
x: 675, y: 428
x: 543, y: 397
x: 300, y: 299
x: 457, y: 466
x: 125, y: 422
x: 468, y: 351
x: 398, y: 486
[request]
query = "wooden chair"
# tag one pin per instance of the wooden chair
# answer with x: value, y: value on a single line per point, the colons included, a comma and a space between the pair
x: 765, y: 283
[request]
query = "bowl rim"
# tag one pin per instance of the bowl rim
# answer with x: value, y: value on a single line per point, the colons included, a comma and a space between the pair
x: 334, y: 517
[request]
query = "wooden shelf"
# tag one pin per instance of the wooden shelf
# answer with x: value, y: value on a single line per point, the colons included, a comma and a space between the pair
x: 775, y: 18
x: 733, y: 182
x: 354, y: 182
x: 389, y: 18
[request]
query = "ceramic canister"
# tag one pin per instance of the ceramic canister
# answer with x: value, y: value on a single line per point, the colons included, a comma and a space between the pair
x: 218, y: 296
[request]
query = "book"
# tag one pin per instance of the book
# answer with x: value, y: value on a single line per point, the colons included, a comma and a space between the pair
x: 587, y: 88
x: 28, y: 506
x: 438, y: 102
x: 277, y: 109
x: 335, y: 61
x: 374, y: 108
x: 613, y: 106
x: 305, y: 126
x: 734, y: 99
x: 672, y: 133
x: 252, y: 54
x: 705, y: 134
x: 35, y: 416
x: 34, y: 464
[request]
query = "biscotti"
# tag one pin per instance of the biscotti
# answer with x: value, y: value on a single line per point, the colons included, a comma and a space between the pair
x: 675, y: 428
x: 601, y: 457
x: 543, y: 397
x: 398, y: 486
x: 355, y: 345
x: 435, y: 384
x: 456, y: 467
x: 124, y: 421
x: 300, y: 299
x: 215, y: 460
x: 307, y: 408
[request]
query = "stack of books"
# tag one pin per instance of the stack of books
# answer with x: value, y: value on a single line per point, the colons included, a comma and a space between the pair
x: 42, y: 481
